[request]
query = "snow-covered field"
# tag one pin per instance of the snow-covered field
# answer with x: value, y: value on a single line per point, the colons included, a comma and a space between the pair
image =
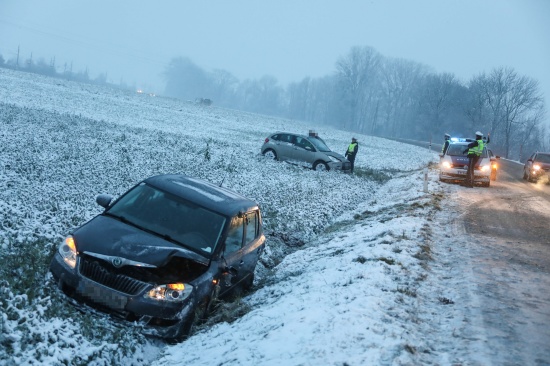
x: 346, y: 255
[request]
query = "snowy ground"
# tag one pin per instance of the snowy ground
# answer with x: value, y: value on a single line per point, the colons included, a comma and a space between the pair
x: 364, y: 286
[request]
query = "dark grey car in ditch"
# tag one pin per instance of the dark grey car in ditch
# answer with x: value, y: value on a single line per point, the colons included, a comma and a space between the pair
x: 159, y: 255
x: 310, y: 151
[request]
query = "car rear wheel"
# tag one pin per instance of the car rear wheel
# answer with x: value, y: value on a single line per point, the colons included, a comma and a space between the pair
x: 320, y: 166
x: 270, y: 154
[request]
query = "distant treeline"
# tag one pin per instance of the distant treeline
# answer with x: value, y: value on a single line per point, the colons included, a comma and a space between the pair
x: 371, y: 94
x: 42, y: 67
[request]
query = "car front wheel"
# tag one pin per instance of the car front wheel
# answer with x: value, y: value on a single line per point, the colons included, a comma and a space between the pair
x: 270, y: 154
x: 320, y: 166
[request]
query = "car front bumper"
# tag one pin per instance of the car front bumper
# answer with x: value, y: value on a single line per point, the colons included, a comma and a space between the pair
x: 539, y: 173
x: 343, y: 166
x: 460, y: 175
x: 159, y: 318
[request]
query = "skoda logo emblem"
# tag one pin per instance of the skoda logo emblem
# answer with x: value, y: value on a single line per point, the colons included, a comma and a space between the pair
x: 117, y: 262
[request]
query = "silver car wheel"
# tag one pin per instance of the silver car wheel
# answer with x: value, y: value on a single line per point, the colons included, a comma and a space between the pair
x: 270, y: 154
x: 320, y: 166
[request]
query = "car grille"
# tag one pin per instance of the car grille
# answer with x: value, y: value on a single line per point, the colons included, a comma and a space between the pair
x: 96, y: 272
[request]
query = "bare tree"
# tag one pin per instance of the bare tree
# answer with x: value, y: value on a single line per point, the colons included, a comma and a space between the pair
x: 224, y: 85
x: 516, y: 104
x: 436, y: 100
x: 186, y: 80
x: 400, y: 83
x: 355, y: 72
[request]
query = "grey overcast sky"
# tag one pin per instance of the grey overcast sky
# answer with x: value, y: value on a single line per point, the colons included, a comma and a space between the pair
x: 133, y: 40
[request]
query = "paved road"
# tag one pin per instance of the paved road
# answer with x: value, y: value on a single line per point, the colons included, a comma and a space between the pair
x: 507, y: 239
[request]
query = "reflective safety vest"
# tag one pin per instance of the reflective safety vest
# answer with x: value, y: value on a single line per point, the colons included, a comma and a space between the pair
x: 351, y: 148
x: 477, y: 149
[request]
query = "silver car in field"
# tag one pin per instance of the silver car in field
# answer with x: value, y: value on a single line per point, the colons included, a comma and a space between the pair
x: 310, y: 151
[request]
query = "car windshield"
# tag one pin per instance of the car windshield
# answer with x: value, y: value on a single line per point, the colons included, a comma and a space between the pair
x: 319, y: 144
x: 543, y: 158
x: 171, y: 217
x: 457, y: 150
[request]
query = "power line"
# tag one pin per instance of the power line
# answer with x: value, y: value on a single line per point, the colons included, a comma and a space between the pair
x: 105, y: 47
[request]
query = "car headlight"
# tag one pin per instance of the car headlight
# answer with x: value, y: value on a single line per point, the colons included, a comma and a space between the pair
x: 536, y: 167
x: 333, y: 159
x: 174, y: 292
x: 484, y: 168
x: 446, y: 165
x: 68, y: 252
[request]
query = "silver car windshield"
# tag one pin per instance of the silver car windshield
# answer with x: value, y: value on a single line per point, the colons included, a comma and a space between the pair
x: 170, y: 217
x: 319, y: 144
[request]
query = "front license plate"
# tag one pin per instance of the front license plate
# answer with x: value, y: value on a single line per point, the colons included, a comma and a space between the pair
x: 461, y: 172
x: 102, y: 295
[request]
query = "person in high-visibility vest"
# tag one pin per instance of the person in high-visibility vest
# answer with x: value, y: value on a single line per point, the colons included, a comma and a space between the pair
x: 446, y: 144
x: 474, y: 150
x: 351, y: 152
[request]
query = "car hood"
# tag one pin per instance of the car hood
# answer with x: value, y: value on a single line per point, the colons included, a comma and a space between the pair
x: 108, y: 236
x: 335, y: 155
x: 459, y: 160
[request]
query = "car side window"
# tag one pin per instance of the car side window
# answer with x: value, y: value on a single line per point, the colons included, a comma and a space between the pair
x: 304, y: 144
x: 251, y: 226
x: 284, y: 137
x: 234, y: 239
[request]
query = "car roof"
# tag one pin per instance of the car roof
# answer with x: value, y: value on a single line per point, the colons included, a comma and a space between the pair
x: 289, y: 133
x: 203, y: 193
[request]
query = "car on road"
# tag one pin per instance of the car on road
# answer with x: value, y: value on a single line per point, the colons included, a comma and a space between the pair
x: 161, y: 254
x: 454, y: 164
x: 310, y: 151
x: 494, y: 164
x: 537, y: 166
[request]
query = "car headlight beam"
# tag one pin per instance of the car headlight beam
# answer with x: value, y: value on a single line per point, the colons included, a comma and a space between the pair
x: 68, y: 252
x: 173, y: 292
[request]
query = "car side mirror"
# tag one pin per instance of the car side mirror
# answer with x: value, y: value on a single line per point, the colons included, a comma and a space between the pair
x: 104, y: 200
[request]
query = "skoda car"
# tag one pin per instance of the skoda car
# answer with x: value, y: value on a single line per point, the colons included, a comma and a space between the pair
x: 310, y: 151
x: 454, y: 164
x: 537, y: 166
x: 159, y: 255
